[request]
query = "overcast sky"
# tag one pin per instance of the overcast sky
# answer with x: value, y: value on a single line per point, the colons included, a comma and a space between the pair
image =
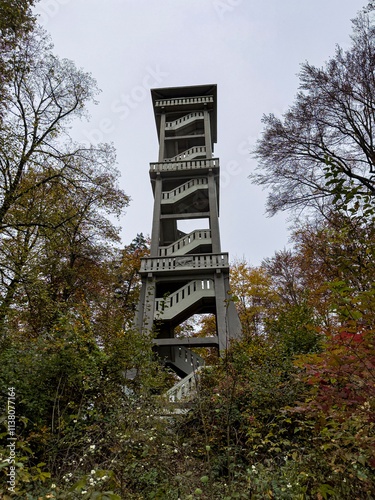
x: 252, y: 49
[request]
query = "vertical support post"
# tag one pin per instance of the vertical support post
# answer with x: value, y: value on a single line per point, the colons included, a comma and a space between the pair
x: 149, y: 304
x: 155, y: 235
x: 232, y: 318
x: 144, y: 318
x: 221, y: 311
x: 141, y: 306
x: 207, y: 134
x: 162, y: 137
x: 214, y: 213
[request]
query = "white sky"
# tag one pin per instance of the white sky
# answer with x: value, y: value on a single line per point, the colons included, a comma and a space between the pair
x: 252, y: 49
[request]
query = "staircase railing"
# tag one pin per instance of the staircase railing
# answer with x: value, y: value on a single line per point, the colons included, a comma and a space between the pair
x: 184, y: 120
x: 189, y: 154
x: 184, y: 359
x: 199, y: 236
x: 200, y: 181
x: 192, y: 291
x: 186, y: 388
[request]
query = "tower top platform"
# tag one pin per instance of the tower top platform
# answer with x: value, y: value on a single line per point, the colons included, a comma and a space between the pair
x: 184, y: 99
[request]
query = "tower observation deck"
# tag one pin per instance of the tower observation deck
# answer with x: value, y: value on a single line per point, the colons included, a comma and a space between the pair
x: 186, y: 273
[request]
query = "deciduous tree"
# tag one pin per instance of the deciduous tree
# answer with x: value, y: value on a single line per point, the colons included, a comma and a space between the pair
x: 55, y: 195
x: 16, y: 21
x: 331, y: 122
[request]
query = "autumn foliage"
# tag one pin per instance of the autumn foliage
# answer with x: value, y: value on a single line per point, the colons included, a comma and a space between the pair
x: 288, y: 411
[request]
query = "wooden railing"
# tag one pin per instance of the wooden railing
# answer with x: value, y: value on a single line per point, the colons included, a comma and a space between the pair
x: 185, y: 389
x: 165, y: 166
x: 185, y: 359
x: 185, y: 262
x: 184, y: 100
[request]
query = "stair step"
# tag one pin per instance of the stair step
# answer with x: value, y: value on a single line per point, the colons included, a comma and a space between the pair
x: 175, y: 409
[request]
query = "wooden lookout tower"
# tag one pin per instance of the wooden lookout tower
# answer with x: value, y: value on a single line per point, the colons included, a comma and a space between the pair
x: 186, y: 273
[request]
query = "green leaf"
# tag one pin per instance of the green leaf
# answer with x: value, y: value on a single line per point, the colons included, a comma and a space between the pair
x: 362, y: 460
x: 78, y: 486
x: 356, y: 315
x: 204, y: 479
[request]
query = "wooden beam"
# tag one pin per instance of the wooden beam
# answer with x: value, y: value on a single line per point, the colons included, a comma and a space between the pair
x: 188, y: 342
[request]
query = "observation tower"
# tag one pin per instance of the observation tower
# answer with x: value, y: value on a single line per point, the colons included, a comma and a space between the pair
x: 186, y: 272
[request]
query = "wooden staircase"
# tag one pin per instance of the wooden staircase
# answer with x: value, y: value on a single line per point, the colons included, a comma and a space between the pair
x: 189, y: 154
x: 187, y: 243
